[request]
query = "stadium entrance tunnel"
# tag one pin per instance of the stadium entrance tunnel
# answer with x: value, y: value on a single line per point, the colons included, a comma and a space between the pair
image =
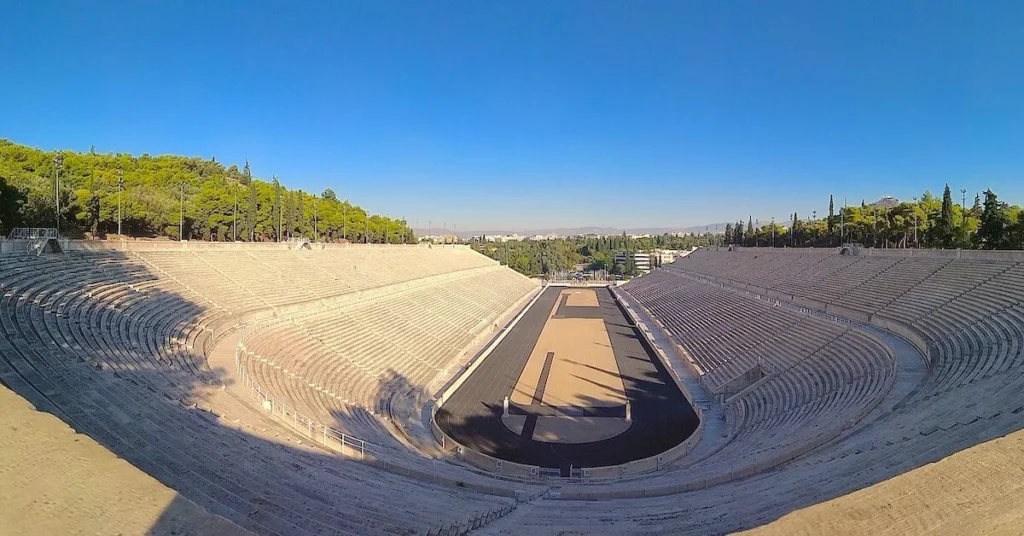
x: 572, y: 385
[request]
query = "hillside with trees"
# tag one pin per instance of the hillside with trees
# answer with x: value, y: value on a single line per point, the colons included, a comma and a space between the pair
x: 220, y: 203
x: 928, y: 222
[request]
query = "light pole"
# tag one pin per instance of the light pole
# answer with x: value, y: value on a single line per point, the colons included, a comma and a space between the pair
x: 58, y: 163
x: 963, y: 208
x: 234, y: 218
x: 773, y: 231
x: 316, y: 233
x: 915, y: 221
x: 344, y: 222
x: 181, y: 217
x: 250, y: 219
x: 120, y: 188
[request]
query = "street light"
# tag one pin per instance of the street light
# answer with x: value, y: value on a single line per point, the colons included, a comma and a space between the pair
x: 181, y: 220
x: 120, y: 188
x: 915, y: 221
x: 58, y: 163
x: 963, y: 208
x: 234, y: 218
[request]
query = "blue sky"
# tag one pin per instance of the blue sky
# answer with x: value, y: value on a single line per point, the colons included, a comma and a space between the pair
x: 530, y: 114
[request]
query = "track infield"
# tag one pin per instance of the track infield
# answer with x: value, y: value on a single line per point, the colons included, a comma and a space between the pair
x: 569, y: 367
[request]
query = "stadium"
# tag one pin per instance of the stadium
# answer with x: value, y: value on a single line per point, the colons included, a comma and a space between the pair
x: 414, y: 389
x: 584, y: 267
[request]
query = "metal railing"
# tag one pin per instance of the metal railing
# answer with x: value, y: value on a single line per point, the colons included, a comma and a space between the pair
x: 33, y: 233
x: 356, y: 448
x: 349, y: 446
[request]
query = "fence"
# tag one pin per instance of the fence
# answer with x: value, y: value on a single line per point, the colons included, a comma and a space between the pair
x: 347, y: 445
x: 32, y: 233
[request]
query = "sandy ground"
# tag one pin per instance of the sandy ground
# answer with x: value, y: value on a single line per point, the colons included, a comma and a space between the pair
x: 979, y: 490
x: 583, y: 369
x: 583, y: 297
x: 56, y: 481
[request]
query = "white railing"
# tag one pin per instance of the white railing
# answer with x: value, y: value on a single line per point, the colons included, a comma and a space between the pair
x: 32, y: 233
x: 349, y: 446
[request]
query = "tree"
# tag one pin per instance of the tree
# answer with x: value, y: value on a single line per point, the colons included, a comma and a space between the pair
x: 993, y: 222
x: 751, y: 232
x: 946, y: 219
x: 329, y: 195
x: 278, y: 209
x: 150, y: 199
x: 738, y: 233
x: 831, y: 219
x: 728, y: 238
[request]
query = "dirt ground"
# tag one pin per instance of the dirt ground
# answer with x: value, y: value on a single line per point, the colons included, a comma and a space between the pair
x: 583, y: 371
x: 975, y: 491
x: 56, y: 481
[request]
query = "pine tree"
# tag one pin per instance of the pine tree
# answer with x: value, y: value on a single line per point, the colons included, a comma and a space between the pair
x: 728, y: 233
x: 739, y: 233
x: 946, y: 218
x: 993, y: 222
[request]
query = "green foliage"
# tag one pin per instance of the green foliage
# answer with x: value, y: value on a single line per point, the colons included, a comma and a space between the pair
x: 151, y: 199
x: 537, y: 257
x: 993, y: 222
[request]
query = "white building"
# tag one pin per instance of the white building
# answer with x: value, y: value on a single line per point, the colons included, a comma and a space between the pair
x: 642, y: 261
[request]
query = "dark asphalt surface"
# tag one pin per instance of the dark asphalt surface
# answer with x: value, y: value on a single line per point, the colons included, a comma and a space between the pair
x: 662, y: 418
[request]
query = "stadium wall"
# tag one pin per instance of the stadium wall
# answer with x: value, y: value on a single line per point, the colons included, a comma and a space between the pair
x: 967, y: 254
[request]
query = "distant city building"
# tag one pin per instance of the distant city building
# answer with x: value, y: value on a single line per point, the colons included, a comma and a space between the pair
x: 642, y: 261
x: 665, y: 256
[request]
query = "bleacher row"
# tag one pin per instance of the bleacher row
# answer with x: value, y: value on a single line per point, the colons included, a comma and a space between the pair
x: 808, y: 374
x: 108, y: 342
x: 968, y: 312
x: 340, y: 366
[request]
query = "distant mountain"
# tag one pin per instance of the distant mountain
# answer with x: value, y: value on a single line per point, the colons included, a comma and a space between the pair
x: 575, y: 231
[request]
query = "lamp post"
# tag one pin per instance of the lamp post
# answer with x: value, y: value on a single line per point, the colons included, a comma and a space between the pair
x: 234, y: 218
x: 181, y: 218
x: 120, y: 188
x: 58, y: 163
x: 963, y: 208
x: 316, y: 233
x: 915, y: 221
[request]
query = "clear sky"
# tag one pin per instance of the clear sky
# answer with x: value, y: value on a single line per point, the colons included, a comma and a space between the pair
x: 527, y: 114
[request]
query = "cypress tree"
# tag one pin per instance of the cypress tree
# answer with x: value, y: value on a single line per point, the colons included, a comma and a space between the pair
x: 946, y: 218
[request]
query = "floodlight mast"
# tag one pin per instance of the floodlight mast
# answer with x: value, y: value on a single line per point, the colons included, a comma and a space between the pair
x: 58, y: 163
x: 120, y: 188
